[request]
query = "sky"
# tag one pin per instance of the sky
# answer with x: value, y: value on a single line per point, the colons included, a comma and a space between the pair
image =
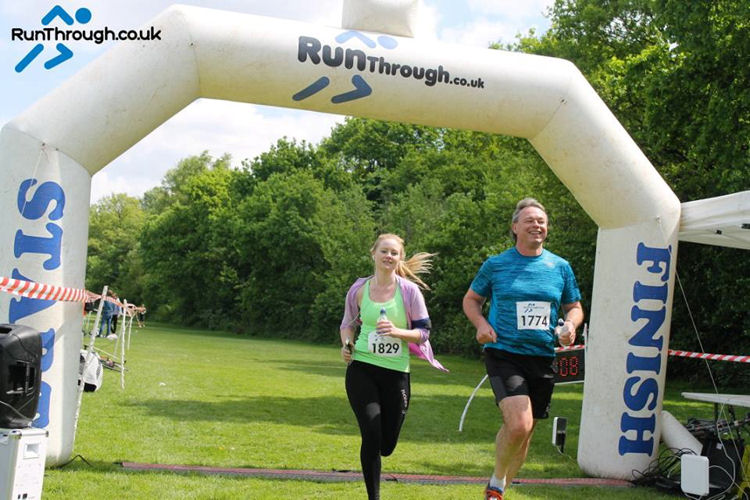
x: 242, y: 130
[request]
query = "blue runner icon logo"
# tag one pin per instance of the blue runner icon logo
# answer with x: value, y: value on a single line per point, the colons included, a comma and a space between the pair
x: 361, y: 87
x: 82, y: 15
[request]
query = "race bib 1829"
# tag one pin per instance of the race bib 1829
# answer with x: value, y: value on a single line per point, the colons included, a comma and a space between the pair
x: 382, y: 345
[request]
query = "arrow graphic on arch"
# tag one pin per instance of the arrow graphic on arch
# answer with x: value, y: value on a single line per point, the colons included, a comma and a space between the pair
x: 361, y: 89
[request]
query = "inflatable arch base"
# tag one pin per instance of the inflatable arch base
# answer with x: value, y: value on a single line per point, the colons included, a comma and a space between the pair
x: 627, y: 351
x: 44, y: 200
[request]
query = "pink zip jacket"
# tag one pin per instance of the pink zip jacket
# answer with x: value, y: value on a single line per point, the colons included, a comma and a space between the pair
x: 416, y: 316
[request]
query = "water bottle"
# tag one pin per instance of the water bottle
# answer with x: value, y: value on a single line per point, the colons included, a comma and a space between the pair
x: 383, y: 316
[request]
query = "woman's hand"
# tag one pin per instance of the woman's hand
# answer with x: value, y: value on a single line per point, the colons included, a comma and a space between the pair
x: 385, y: 327
x: 346, y: 352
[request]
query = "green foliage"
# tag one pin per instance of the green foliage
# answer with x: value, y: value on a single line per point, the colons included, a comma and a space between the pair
x: 295, y: 238
x: 370, y: 149
x: 185, y: 248
x: 274, y: 246
x: 287, y: 157
x: 115, y: 223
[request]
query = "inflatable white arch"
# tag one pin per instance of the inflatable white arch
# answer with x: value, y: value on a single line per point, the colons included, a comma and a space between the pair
x: 50, y: 152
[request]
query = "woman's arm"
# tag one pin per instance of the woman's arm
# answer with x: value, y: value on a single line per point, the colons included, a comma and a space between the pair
x: 416, y: 310
x: 385, y: 327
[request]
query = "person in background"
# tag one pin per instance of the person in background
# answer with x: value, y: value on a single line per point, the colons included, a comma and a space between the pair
x: 390, y: 310
x: 141, y: 315
x: 115, y: 313
x: 105, y: 326
x: 527, y: 287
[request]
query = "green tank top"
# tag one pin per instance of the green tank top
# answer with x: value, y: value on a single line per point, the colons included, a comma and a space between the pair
x: 383, y: 351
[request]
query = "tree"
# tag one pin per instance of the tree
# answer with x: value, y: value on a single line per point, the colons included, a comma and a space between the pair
x: 299, y: 243
x: 287, y: 157
x: 185, y: 245
x: 278, y: 242
x: 115, y: 223
x: 369, y: 149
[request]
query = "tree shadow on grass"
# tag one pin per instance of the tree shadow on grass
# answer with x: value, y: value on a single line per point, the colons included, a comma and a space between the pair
x: 430, y: 418
x: 420, y: 372
x: 464, y: 372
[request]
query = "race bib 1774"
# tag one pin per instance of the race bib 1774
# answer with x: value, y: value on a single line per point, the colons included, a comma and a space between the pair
x: 532, y: 315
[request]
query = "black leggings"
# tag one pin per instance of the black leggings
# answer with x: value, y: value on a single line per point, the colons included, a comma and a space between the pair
x: 379, y: 398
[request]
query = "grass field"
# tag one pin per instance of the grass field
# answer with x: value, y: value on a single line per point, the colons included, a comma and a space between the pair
x: 218, y: 399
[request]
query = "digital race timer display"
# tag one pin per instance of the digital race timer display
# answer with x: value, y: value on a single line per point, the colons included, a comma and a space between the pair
x: 570, y: 366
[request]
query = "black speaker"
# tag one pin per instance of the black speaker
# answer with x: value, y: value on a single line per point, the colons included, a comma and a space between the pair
x: 20, y: 375
x: 724, y: 465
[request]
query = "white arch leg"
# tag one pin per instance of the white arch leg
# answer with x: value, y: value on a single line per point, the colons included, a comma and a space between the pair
x: 53, y: 192
x: 627, y: 349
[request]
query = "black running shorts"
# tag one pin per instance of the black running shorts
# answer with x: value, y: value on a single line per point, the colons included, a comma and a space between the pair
x: 521, y: 375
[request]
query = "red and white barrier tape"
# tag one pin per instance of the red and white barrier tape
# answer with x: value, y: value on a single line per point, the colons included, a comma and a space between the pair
x: 41, y: 291
x: 683, y: 354
x: 706, y: 355
x: 577, y: 347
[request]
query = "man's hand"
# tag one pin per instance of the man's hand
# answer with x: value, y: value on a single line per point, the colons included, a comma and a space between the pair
x: 566, y: 333
x: 486, y: 335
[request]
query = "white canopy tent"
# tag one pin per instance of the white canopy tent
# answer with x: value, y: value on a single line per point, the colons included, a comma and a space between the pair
x: 722, y: 221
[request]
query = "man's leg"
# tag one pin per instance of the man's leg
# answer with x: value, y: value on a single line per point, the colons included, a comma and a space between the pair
x: 514, y: 467
x: 513, y: 439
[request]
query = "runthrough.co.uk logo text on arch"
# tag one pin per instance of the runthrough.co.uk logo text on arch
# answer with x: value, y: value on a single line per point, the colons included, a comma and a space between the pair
x: 59, y: 27
x: 311, y: 50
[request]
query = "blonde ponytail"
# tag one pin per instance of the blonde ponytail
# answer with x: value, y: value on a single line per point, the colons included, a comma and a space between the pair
x: 419, y: 263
